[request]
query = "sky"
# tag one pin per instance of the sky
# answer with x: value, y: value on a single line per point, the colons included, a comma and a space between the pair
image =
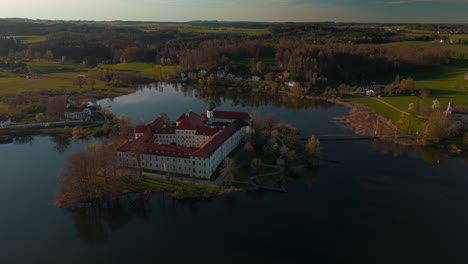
x: 395, y: 11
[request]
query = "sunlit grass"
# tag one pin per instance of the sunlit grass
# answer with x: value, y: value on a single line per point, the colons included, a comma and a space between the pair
x: 377, y: 106
x: 32, y: 39
x: 227, y: 30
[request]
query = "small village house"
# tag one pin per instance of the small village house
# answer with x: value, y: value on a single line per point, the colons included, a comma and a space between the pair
x: 5, y: 121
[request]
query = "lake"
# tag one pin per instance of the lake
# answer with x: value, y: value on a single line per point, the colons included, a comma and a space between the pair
x: 376, y: 203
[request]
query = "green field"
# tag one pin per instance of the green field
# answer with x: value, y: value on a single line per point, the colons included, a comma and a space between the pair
x: 32, y: 39
x: 459, y: 36
x: 45, y: 76
x: 227, y: 30
x: 444, y: 82
x: 145, y: 68
x: 380, y: 108
x: 458, y: 51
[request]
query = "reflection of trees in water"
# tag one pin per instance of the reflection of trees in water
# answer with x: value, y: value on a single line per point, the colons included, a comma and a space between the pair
x: 61, y: 142
x: 311, y: 176
x: 241, y: 96
x: 431, y: 155
x: 96, y: 223
x: 25, y: 139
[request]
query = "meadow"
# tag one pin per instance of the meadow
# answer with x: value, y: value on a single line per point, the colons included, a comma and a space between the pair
x: 226, y: 30
x: 145, y: 68
x: 445, y: 82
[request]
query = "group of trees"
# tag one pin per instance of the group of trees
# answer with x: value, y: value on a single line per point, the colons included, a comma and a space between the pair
x: 92, y: 175
x: 311, y: 53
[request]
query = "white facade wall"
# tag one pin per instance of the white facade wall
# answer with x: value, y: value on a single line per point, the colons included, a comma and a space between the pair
x: 186, y: 138
x: 196, y: 167
x: 74, y: 115
x: 165, y: 139
x: 78, y: 115
x: 5, y: 123
x: 157, y: 163
x: 201, y: 139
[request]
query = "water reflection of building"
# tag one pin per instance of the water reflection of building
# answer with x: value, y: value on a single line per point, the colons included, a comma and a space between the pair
x: 194, y: 146
x: 5, y: 136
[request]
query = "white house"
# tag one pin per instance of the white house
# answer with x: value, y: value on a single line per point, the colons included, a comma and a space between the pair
x: 370, y: 93
x: 291, y: 84
x: 83, y: 112
x: 5, y: 121
x: 256, y: 78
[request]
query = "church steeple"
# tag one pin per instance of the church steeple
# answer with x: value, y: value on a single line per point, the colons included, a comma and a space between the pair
x: 210, y: 111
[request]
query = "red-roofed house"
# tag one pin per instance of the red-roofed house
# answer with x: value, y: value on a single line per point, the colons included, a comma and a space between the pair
x: 140, y: 130
x: 5, y: 121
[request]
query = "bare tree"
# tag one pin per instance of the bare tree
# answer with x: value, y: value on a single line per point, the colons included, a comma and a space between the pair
x: 439, y: 126
x: 89, y: 176
x: 313, y: 149
x: 137, y: 149
x: 55, y: 107
x: 79, y: 80
x: 228, y: 171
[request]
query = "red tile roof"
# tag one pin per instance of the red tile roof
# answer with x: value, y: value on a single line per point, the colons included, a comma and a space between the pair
x: 207, y: 131
x: 160, y: 126
x: 141, y: 129
x: 207, y: 149
x: 189, y: 121
x: 231, y: 115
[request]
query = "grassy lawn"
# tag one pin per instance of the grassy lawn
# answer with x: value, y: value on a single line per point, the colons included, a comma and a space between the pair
x: 459, y: 36
x: 45, y: 67
x: 227, y: 30
x: 145, y: 68
x: 445, y: 82
x: 177, y: 189
x: 48, y: 76
x: 458, y: 51
x: 32, y: 39
x: 380, y: 108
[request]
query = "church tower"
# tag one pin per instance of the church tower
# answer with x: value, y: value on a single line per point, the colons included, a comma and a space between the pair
x: 210, y: 112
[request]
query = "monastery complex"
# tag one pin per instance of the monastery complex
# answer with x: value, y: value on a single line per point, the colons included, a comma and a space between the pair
x: 194, y: 146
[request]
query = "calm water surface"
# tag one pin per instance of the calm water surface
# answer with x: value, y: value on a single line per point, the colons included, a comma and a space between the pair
x: 369, y: 207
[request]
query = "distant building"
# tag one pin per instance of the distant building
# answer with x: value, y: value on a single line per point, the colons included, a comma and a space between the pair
x: 370, y: 93
x: 194, y: 146
x: 220, y: 74
x: 256, y: 78
x: 82, y: 112
x: 5, y: 121
x: 291, y: 84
